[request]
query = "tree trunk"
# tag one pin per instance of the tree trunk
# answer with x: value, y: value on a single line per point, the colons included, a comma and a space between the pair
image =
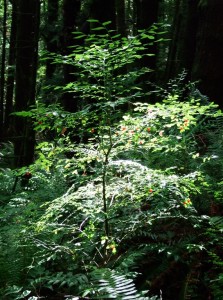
x: 52, y: 35
x: 26, y: 70
x: 103, y: 11
x: 208, y: 61
x: 11, y: 74
x: 183, y: 41
x: 146, y: 16
x: 2, y: 80
x: 147, y: 13
x: 120, y: 17
x: 71, y: 9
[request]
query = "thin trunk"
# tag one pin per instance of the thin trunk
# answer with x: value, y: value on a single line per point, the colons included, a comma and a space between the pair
x: 120, y: 17
x: 11, y: 74
x: 71, y: 9
x: 3, y: 66
x: 146, y: 16
x: 26, y: 70
x: 171, y: 61
x: 51, y: 38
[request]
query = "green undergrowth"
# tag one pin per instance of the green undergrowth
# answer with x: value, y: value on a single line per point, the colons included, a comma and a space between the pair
x: 140, y: 198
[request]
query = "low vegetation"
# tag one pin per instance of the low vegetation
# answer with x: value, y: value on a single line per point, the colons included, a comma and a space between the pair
x: 124, y: 199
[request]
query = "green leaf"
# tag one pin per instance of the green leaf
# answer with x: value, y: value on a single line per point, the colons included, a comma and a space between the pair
x: 22, y: 114
x: 106, y: 23
x: 92, y: 21
x: 98, y: 28
x: 80, y: 36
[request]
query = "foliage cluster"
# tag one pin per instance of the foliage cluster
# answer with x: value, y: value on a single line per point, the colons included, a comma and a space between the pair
x: 119, y: 198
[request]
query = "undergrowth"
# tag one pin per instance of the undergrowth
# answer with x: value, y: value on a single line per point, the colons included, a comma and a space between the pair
x: 121, y: 203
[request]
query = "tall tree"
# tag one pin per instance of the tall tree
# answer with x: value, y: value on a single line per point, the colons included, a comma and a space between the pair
x: 11, y: 72
x: 183, y: 39
x: 146, y: 13
x: 120, y: 17
x: 103, y: 11
x: 146, y: 16
x: 26, y: 69
x: 197, y: 44
x: 52, y: 34
x: 3, y: 65
x: 208, y: 60
x: 71, y: 9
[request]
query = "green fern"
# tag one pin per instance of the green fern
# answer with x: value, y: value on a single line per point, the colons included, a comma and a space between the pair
x: 111, y: 285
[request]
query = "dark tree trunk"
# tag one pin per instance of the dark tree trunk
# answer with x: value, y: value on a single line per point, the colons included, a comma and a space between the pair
x: 11, y: 74
x: 52, y: 35
x: 146, y: 16
x: 120, y: 17
x: 104, y: 11
x: 71, y: 9
x: 147, y: 13
x: 3, y: 65
x: 26, y: 69
x: 130, y: 16
x: 208, y: 61
x: 183, y: 41
x: 174, y: 36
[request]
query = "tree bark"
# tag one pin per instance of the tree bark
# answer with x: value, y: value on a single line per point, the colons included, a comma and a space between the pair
x: 52, y: 35
x: 147, y: 13
x: 146, y: 16
x: 208, y: 61
x: 183, y: 41
x: 71, y: 9
x: 11, y: 74
x: 104, y: 11
x: 120, y: 17
x: 3, y: 66
x: 26, y: 70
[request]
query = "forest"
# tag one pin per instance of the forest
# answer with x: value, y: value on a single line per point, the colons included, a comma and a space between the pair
x: 111, y: 149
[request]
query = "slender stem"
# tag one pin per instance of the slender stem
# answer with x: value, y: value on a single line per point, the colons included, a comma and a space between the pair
x: 104, y: 175
x: 105, y: 201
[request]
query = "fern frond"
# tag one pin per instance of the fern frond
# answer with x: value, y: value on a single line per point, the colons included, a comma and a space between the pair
x: 217, y: 221
x: 110, y: 285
